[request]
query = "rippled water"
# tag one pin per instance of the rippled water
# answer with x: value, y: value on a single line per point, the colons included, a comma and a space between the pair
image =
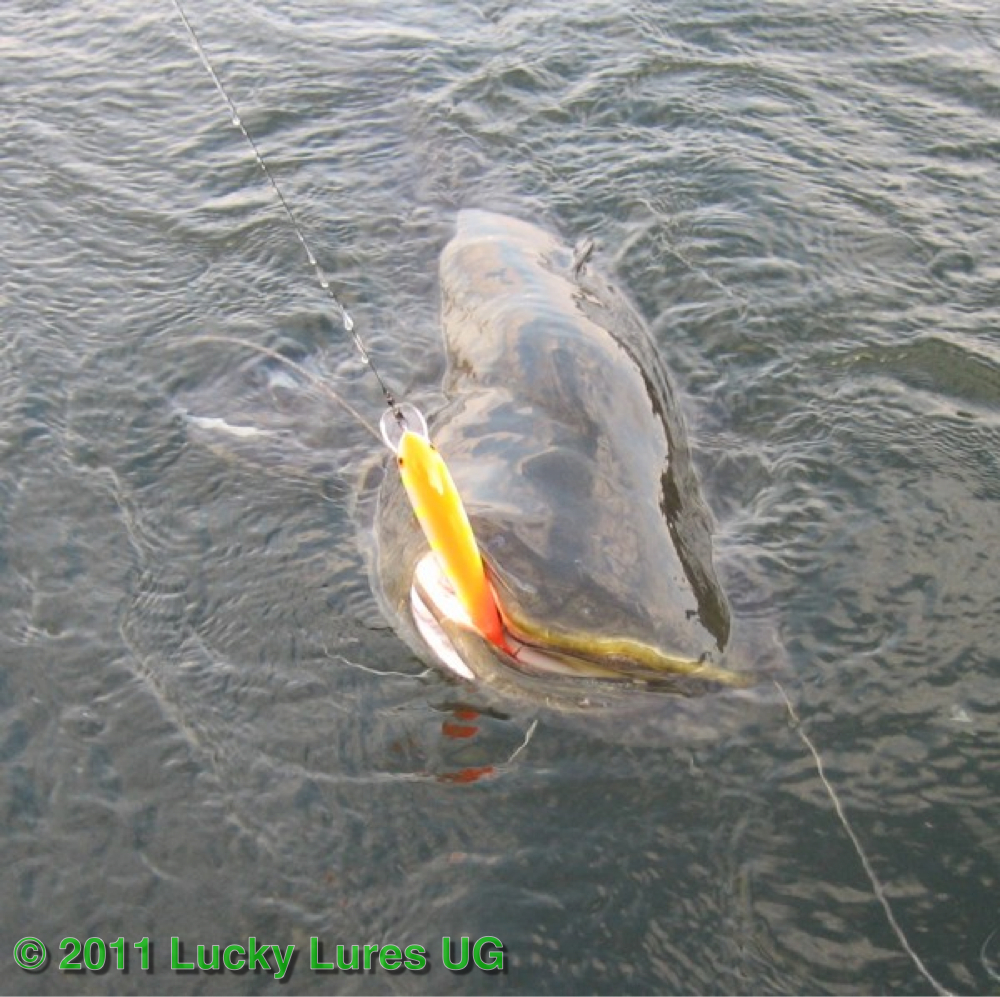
x: 207, y: 729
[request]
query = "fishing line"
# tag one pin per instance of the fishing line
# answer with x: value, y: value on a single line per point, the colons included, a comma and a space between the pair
x: 318, y: 383
x: 527, y: 738
x: 984, y: 959
x: 324, y: 282
x: 877, y: 887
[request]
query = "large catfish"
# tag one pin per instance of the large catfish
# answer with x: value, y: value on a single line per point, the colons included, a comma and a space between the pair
x: 566, y: 442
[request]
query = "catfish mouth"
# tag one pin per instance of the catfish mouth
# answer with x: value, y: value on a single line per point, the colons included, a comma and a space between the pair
x: 534, y: 649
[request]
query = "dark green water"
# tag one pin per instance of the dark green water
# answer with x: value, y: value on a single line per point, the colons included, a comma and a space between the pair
x: 207, y: 729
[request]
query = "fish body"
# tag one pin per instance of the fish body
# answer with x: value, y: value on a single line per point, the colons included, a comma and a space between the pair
x: 563, y: 435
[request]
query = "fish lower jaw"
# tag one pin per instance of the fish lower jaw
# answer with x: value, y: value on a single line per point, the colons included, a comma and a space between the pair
x: 522, y: 657
x: 448, y: 631
x: 436, y: 608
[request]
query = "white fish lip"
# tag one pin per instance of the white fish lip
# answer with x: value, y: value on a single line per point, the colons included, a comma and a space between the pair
x: 436, y: 637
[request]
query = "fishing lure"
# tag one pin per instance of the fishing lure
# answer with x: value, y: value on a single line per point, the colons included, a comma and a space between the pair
x: 439, y: 510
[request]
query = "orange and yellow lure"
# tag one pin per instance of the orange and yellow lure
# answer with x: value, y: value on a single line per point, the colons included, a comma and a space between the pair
x: 441, y: 514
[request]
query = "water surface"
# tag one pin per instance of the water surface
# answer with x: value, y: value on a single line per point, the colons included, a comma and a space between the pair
x: 206, y: 727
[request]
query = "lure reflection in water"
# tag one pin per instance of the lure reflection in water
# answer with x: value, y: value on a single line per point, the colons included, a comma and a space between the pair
x: 566, y: 443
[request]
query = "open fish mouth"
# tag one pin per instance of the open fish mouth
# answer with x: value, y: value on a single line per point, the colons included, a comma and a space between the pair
x: 539, y: 651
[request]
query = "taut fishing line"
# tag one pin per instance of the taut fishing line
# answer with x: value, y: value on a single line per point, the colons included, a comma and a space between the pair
x: 877, y: 886
x: 324, y: 281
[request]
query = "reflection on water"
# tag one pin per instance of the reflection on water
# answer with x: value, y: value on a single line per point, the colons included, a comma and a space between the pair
x: 206, y: 727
